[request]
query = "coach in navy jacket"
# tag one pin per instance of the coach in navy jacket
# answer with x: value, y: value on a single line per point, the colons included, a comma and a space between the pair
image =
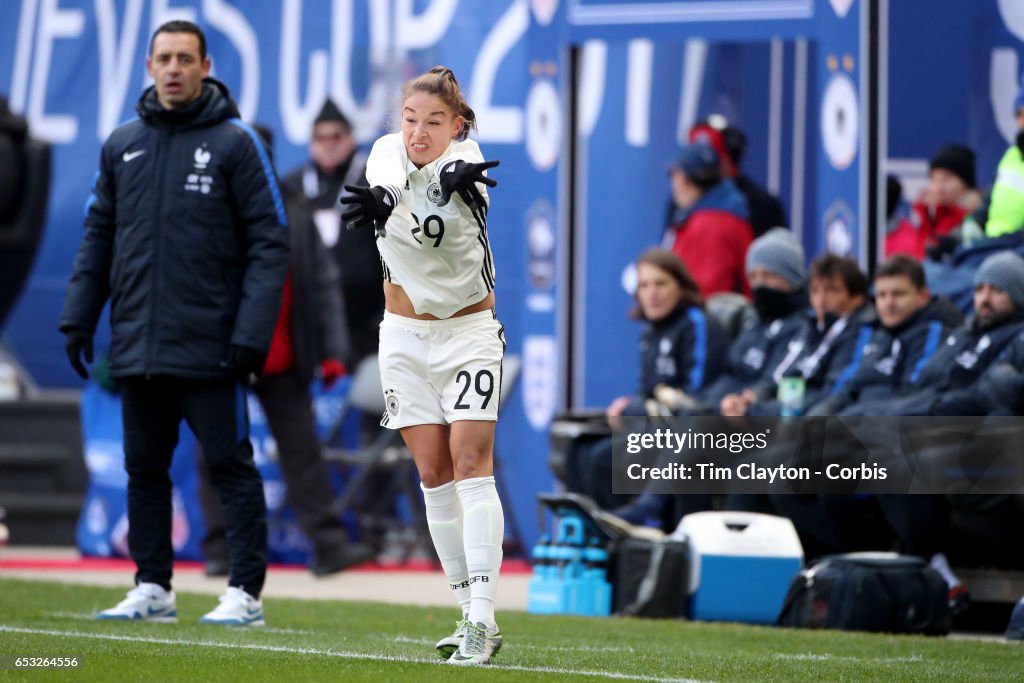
x: 186, y: 234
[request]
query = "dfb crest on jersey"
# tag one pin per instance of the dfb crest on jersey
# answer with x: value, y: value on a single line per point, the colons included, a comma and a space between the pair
x: 434, y: 192
x: 540, y: 379
x: 391, y: 401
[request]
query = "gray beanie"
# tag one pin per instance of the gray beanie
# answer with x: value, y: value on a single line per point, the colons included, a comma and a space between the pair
x: 779, y: 252
x: 1004, y: 270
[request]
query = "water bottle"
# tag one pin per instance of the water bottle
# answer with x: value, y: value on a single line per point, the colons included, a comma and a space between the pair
x: 599, y: 590
x: 544, y: 592
x: 541, y: 558
x: 791, y: 396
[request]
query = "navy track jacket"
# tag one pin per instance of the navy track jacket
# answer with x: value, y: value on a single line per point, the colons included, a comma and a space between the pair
x: 186, y: 234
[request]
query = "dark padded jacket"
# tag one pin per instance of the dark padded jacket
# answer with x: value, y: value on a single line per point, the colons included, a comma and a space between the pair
x: 757, y: 352
x: 186, y: 234
x: 1000, y: 391
x: 948, y: 379
x: 826, y: 360
x: 895, y: 357
x: 318, y: 327
x: 686, y: 350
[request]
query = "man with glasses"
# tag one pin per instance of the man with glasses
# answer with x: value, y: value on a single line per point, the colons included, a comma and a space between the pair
x: 335, y: 160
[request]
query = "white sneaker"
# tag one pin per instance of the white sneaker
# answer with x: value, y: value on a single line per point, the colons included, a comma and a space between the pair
x: 236, y: 608
x: 479, y: 645
x: 145, y: 602
x: 449, y: 644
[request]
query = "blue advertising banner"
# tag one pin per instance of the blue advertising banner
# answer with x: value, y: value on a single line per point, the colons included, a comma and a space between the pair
x: 791, y: 73
x: 75, y: 68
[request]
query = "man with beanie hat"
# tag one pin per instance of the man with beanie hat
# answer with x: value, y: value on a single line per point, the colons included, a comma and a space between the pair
x: 948, y: 199
x: 710, y: 228
x: 336, y: 161
x: 1006, y: 205
x: 777, y: 275
x: 779, y: 253
x: 944, y: 384
x: 730, y: 144
x: 775, y: 269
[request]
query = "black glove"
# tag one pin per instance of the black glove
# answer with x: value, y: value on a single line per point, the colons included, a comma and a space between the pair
x: 372, y: 206
x: 943, y: 248
x: 79, y: 344
x: 1020, y: 141
x: 245, y: 362
x: 461, y: 178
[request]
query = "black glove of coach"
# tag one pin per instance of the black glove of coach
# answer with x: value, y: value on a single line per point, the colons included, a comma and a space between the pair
x: 77, y: 345
x: 372, y: 206
x: 460, y: 177
x: 245, y: 362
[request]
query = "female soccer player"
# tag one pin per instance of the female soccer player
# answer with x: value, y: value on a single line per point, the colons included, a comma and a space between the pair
x: 441, y: 343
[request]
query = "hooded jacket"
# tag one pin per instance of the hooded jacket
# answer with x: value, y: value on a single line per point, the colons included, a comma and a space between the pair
x: 712, y: 238
x: 186, y: 234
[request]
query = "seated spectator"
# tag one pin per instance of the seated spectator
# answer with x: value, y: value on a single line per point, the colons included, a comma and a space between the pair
x: 829, y: 351
x: 710, y: 227
x: 775, y: 269
x: 730, y: 144
x: 948, y: 199
x: 680, y: 347
x: 912, y: 323
x: 1006, y: 206
x: 944, y: 385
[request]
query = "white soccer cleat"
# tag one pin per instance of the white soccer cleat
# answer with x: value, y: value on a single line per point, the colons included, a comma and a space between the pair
x: 479, y: 645
x: 449, y: 644
x: 145, y: 602
x: 236, y: 608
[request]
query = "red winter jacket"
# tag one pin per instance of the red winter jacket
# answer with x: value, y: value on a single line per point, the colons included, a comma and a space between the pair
x: 713, y: 244
x: 915, y: 234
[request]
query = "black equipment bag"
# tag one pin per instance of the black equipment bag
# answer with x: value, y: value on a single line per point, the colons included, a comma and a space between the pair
x: 650, y: 578
x: 869, y: 592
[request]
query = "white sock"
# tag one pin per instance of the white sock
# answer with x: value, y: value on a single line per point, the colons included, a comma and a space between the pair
x: 483, y: 529
x: 444, y: 518
x: 940, y: 564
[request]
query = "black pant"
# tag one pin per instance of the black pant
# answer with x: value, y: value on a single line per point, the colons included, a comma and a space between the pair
x: 288, y: 406
x: 215, y: 410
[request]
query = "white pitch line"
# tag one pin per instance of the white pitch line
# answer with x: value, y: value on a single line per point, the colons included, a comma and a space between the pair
x: 91, y: 616
x: 810, y: 656
x: 81, y: 616
x: 335, y: 653
x: 528, y: 646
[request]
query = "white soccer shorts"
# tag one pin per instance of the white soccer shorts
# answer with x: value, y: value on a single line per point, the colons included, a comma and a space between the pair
x: 440, y: 371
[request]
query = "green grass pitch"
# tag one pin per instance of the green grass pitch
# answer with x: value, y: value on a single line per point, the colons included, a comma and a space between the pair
x: 308, y: 640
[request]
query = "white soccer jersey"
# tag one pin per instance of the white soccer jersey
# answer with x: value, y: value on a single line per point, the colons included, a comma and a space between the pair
x: 440, y: 255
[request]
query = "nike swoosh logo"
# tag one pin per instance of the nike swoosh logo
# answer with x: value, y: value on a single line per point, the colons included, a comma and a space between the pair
x: 154, y: 611
x: 128, y: 156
